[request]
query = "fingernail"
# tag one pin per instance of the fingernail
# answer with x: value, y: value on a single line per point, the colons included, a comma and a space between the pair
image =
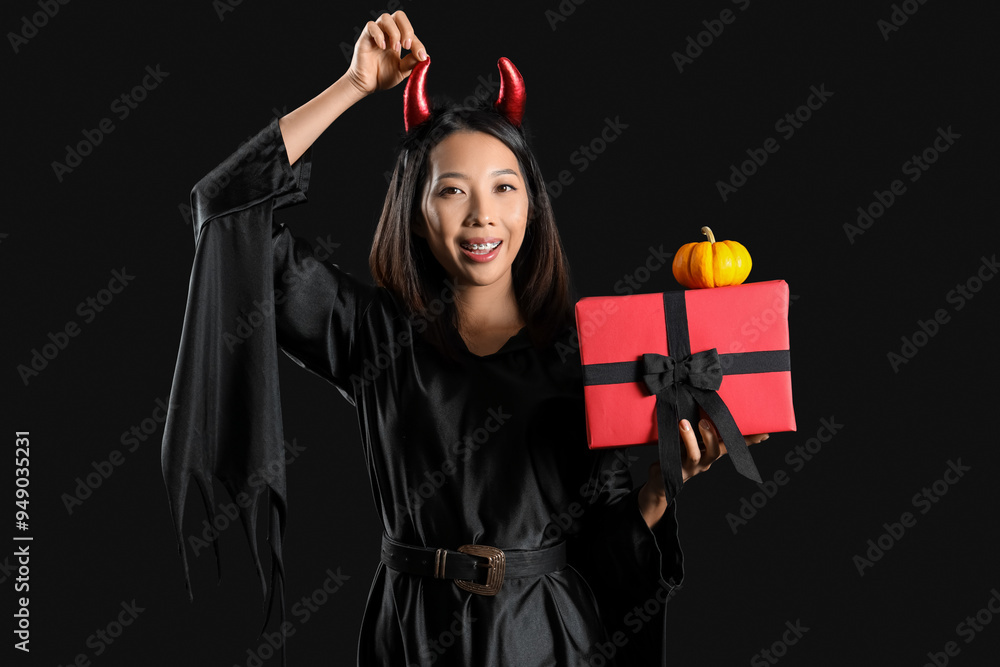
x: 766, y: 436
x: 422, y: 54
x: 704, y: 424
x: 685, y: 425
x: 406, y: 43
x: 382, y: 44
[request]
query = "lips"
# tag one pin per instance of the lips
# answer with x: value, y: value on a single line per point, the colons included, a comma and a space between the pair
x: 480, y: 249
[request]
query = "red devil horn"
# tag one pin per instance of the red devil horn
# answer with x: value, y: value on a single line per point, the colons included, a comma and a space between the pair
x: 416, y: 109
x: 510, y: 100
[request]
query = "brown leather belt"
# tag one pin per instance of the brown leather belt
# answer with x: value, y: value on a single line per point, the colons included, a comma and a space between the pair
x: 465, y: 564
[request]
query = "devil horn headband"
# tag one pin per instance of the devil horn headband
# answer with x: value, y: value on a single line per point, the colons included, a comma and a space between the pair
x: 509, y: 102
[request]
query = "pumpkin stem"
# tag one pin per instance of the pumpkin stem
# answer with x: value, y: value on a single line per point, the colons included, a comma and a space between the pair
x: 708, y: 232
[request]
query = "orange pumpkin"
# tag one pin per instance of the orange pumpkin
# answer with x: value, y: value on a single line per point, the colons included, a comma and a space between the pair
x: 711, y: 264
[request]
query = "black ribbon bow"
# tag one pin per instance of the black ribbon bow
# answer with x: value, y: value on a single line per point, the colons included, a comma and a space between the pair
x: 680, y: 385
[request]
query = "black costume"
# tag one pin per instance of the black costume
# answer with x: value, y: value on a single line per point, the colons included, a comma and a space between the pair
x: 495, y: 454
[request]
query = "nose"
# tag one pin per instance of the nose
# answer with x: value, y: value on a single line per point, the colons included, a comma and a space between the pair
x: 481, y: 209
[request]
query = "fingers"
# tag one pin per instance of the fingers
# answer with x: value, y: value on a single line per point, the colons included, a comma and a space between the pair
x: 417, y: 50
x: 696, y: 460
x: 390, y: 32
x: 408, y: 39
x: 376, y: 34
x: 750, y: 439
x: 714, y: 447
x: 394, y: 32
x: 384, y: 32
x: 689, y: 445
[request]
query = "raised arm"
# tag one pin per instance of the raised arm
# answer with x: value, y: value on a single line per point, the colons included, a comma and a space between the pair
x: 377, y: 64
x: 224, y: 418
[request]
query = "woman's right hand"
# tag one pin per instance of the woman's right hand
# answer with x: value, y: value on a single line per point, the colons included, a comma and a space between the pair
x: 377, y: 63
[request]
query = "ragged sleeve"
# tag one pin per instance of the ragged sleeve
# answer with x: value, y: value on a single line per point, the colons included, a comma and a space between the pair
x: 633, y: 569
x: 253, y: 287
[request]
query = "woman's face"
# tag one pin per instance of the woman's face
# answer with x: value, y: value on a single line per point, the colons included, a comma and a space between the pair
x: 474, y: 193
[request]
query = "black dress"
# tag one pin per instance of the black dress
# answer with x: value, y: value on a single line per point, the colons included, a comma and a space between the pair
x: 494, y: 452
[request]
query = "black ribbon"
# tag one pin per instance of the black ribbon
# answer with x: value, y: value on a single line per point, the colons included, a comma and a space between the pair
x: 681, y: 386
x: 683, y: 381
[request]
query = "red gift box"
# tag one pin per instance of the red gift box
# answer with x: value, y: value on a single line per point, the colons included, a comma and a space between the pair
x: 746, y: 326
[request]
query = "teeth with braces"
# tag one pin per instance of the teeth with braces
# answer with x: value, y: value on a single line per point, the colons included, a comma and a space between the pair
x: 480, y: 246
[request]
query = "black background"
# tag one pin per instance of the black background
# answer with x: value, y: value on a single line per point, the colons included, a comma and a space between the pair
x: 655, y: 184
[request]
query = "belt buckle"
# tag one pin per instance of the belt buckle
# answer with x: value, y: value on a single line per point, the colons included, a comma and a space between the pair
x: 495, y: 562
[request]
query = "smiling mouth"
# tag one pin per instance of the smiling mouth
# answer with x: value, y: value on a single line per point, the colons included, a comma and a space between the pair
x: 481, y: 248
